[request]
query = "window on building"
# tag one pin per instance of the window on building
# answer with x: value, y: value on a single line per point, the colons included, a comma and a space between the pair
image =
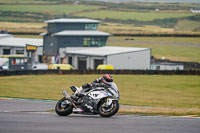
x: 102, y: 43
x: 13, y: 61
x: 16, y: 61
x: 6, y: 51
x: 19, y: 51
x: 157, y: 67
x: 86, y: 42
x: 40, y: 59
x: 51, y: 44
x: 91, y: 26
x: 70, y: 60
x: 94, y: 42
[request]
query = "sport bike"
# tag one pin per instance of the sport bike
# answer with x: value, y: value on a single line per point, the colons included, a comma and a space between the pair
x: 99, y: 100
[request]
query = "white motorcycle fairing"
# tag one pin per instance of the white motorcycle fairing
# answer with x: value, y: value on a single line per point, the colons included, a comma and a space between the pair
x: 98, y: 94
x: 92, y: 98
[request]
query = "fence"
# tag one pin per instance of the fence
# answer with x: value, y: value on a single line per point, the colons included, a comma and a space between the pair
x: 129, y: 72
x: 129, y: 34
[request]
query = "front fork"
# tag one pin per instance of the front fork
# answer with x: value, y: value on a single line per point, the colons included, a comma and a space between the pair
x: 108, y: 102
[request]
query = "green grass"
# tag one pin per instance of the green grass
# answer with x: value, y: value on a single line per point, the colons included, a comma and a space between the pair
x: 167, y: 46
x: 70, y: 8
x: 19, y: 1
x: 122, y: 13
x: 161, y: 39
x: 187, y: 25
x: 46, y: 9
x: 29, y: 36
x: 141, y: 90
x: 142, y: 16
x: 179, y: 53
x: 18, y: 19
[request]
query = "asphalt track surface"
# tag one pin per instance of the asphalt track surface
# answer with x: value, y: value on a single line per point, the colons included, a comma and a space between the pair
x: 22, y: 116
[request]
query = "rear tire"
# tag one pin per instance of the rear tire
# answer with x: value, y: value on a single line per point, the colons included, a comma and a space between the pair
x: 109, y: 111
x: 63, y: 111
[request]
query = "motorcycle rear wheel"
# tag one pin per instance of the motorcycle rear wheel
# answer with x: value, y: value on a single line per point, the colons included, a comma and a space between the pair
x: 63, y: 110
x: 109, y: 111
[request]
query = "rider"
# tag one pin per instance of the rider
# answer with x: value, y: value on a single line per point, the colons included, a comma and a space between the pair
x: 105, y: 81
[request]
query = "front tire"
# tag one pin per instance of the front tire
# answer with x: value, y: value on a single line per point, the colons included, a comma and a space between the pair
x: 109, y: 111
x: 62, y: 108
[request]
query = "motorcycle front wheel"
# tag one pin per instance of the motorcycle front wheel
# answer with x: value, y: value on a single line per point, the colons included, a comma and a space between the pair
x: 64, y: 107
x: 110, y: 110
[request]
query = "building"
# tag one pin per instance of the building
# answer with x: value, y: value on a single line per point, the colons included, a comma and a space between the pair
x: 10, y: 45
x: 119, y: 57
x: 195, y: 10
x: 79, y: 43
x: 5, y: 35
x: 62, y: 33
x: 167, y: 66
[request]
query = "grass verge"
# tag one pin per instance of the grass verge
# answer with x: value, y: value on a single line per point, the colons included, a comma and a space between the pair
x: 150, y: 111
x: 182, y: 92
x: 151, y: 94
x: 191, y: 112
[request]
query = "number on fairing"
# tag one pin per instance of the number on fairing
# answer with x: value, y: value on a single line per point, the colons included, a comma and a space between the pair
x: 97, y: 94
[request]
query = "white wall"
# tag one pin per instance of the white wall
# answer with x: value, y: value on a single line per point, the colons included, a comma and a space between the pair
x: 38, y: 53
x: 139, y: 60
x: 167, y: 67
x: 13, y: 51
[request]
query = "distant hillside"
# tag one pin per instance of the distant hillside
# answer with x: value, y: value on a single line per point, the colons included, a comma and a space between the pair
x: 117, y: 17
x: 159, y: 1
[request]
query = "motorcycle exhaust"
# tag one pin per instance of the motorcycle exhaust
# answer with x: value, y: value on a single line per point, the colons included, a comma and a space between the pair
x: 67, y: 96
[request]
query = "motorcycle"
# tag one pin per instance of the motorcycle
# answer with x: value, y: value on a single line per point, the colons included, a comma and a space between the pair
x: 100, y: 100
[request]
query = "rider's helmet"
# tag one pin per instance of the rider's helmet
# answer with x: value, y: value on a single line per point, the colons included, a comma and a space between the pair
x: 107, y: 78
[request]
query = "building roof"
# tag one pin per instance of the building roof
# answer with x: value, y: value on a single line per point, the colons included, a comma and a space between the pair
x: 104, y: 51
x: 5, y: 35
x: 72, y: 20
x: 81, y: 33
x: 20, y: 42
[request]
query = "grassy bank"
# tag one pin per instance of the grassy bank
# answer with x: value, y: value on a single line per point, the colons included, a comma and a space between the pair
x: 154, y: 95
x: 161, y: 17
x: 141, y: 90
x: 141, y: 16
x: 46, y: 9
x: 173, y: 48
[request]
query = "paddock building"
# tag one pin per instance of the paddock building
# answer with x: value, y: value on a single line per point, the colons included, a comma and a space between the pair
x: 119, y: 57
x: 10, y: 45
